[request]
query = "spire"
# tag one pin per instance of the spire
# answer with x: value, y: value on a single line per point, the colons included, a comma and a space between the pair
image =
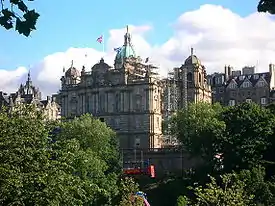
x: 127, y: 38
x: 72, y: 63
x: 29, y: 76
x: 192, y: 51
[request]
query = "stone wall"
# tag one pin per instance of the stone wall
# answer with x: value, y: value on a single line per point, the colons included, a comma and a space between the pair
x: 165, y: 160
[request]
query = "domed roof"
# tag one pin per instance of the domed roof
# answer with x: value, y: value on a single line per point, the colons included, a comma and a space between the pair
x: 100, y: 65
x: 192, y: 59
x: 72, y: 72
x: 127, y: 49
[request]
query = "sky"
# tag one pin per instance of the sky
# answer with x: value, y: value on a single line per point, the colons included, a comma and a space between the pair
x: 222, y: 32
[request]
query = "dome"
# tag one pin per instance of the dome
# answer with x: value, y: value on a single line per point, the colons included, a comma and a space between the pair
x: 192, y: 59
x: 126, y: 50
x: 72, y: 72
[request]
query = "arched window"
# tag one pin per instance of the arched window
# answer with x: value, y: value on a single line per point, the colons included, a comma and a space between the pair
x: 200, y: 79
x: 189, y: 77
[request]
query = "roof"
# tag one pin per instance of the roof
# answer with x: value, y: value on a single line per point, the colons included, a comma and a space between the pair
x: 253, y: 78
x: 127, y: 49
x: 192, y: 59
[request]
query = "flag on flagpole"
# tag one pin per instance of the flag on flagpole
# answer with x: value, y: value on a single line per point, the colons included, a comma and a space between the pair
x: 99, y: 39
x: 117, y: 49
x: 147, y: 60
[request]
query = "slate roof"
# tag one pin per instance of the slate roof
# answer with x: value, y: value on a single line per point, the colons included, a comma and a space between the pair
x: 253, y: 78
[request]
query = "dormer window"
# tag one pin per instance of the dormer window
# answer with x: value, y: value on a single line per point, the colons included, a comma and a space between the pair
x: 246, y: 84
x: 232, y: 85
x: 241, y: 78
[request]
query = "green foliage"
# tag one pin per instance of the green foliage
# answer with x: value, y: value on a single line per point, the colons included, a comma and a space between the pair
x: 38, y: 167
x: 198, y: 127
x: 182, y: 201
x: 99, y: 149
x: 230, y: 192
x: 256, y: 184
x: 127, y: 190
x: 248, y: 131
x: 266, y: 6
x: 16, y: 14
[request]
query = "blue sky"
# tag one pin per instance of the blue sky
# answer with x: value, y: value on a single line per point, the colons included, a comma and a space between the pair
x: 65, y: 24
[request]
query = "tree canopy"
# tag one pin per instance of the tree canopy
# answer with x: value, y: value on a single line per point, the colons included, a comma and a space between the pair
x: 237, y: 143
x: 57, y: 163
x: 240, y: 135
x: 15, y: 14
x: 267, y: 6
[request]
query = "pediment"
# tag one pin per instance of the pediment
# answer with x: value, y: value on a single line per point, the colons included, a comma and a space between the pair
x: 246, y: 83
x: 232, y: 84
x: 261, y: 82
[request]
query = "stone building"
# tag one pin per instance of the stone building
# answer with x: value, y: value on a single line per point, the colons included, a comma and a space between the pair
x: 29, y: 94
x: 235, y: 87
x: 127, y: 97
x: 185, y: 84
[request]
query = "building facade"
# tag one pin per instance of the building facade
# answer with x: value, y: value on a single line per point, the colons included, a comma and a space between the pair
x: 127, y: 97
x: 235, y: 87
x: 185, y: 84
x: 29, y: 94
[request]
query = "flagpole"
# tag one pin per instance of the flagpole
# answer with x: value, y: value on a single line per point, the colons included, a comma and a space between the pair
x: 103, y: 44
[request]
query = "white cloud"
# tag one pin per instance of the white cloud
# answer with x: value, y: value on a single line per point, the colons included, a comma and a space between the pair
x: 218, y: 35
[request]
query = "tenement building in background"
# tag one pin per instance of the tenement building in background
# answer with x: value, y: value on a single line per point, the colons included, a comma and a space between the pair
x: 29, y: 94
x: 235, y: 87
x: 127, y: 97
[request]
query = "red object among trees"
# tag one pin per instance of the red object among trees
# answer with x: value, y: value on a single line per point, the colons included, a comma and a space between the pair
x: 150, y: 171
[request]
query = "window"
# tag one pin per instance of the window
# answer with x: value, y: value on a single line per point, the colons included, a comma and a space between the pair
x: 189, y: 77
x: 232, y: 85
x: 248, y: 100
x: 241, y: 78
x: 232, y: 102
x: 256, y: 76
x: 263, y: 101
x: 158, y: 122
x: 246, y: 84
x: 261, y: 84
x: 137, y: 142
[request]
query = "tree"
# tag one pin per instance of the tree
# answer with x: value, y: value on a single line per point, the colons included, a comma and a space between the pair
x: 16, y: 14
x: 98, y: 141
x: 182, y: 201
x: 41, y: 167
x: 198, y: 127
x: 249, y: 128
x: 127, y: 190
x: 230, y: 192
x: 266, y: 6
x: 29, y: 174
x: 258, y: 185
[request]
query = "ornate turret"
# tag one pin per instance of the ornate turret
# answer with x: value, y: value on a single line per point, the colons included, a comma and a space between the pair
x: 29, y: 90
x: 72, y: 76
x: 192, y: 59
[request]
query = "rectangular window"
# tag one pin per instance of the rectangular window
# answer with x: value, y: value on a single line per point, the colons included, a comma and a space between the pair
x: 248, y: 100
x: 263, y: 101
x: 137, y: 142
x: 232, y: 102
